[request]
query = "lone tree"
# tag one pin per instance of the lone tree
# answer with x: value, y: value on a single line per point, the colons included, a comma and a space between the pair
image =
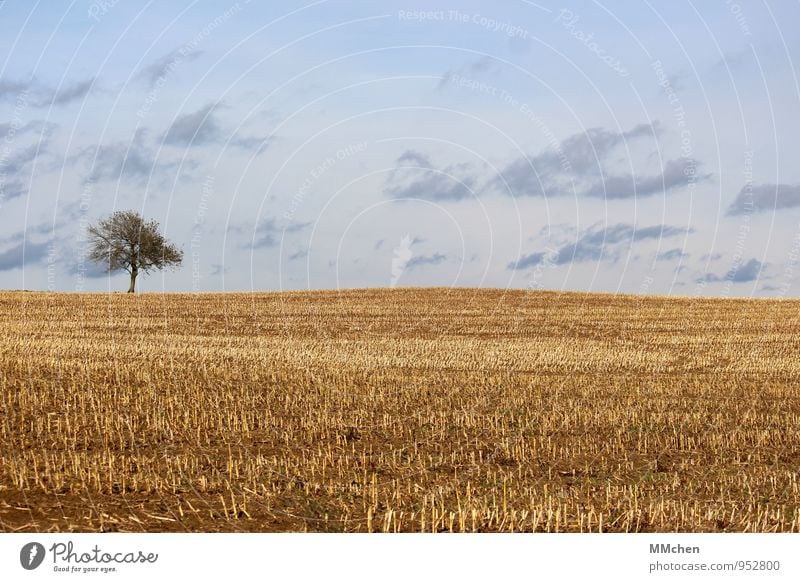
x: 124, y: 241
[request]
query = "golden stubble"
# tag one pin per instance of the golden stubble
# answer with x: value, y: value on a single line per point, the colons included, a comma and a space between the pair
x: 398, y: 410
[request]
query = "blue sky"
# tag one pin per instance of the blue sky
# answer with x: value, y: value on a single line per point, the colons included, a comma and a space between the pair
x: 619, y: 147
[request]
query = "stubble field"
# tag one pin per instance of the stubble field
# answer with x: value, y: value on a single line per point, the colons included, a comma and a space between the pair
x: 398, y: 410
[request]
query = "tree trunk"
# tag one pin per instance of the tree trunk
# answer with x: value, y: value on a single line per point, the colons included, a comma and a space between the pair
x: 132, y: 288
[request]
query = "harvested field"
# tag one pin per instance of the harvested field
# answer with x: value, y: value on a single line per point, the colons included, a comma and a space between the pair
x: 398, y: 410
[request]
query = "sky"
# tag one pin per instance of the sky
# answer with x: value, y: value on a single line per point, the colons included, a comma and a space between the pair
x: 621, y: 147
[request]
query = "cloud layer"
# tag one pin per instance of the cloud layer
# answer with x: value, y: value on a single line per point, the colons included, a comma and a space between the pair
x: 578, y: 166
x: 765, y: 198
x: 203, y: 127
x: 740, y: 273
x: 598, y: 243
x: 415, y: 177
x: 22, y: 254
x: 35, y: 94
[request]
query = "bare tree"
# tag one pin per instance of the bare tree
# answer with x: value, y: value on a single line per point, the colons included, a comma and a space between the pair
x: 124, y: 241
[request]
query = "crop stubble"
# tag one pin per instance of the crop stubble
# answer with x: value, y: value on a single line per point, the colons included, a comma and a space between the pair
x: 398, y: 410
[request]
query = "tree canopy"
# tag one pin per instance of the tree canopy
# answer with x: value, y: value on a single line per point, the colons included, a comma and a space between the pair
x: 125, y: 241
